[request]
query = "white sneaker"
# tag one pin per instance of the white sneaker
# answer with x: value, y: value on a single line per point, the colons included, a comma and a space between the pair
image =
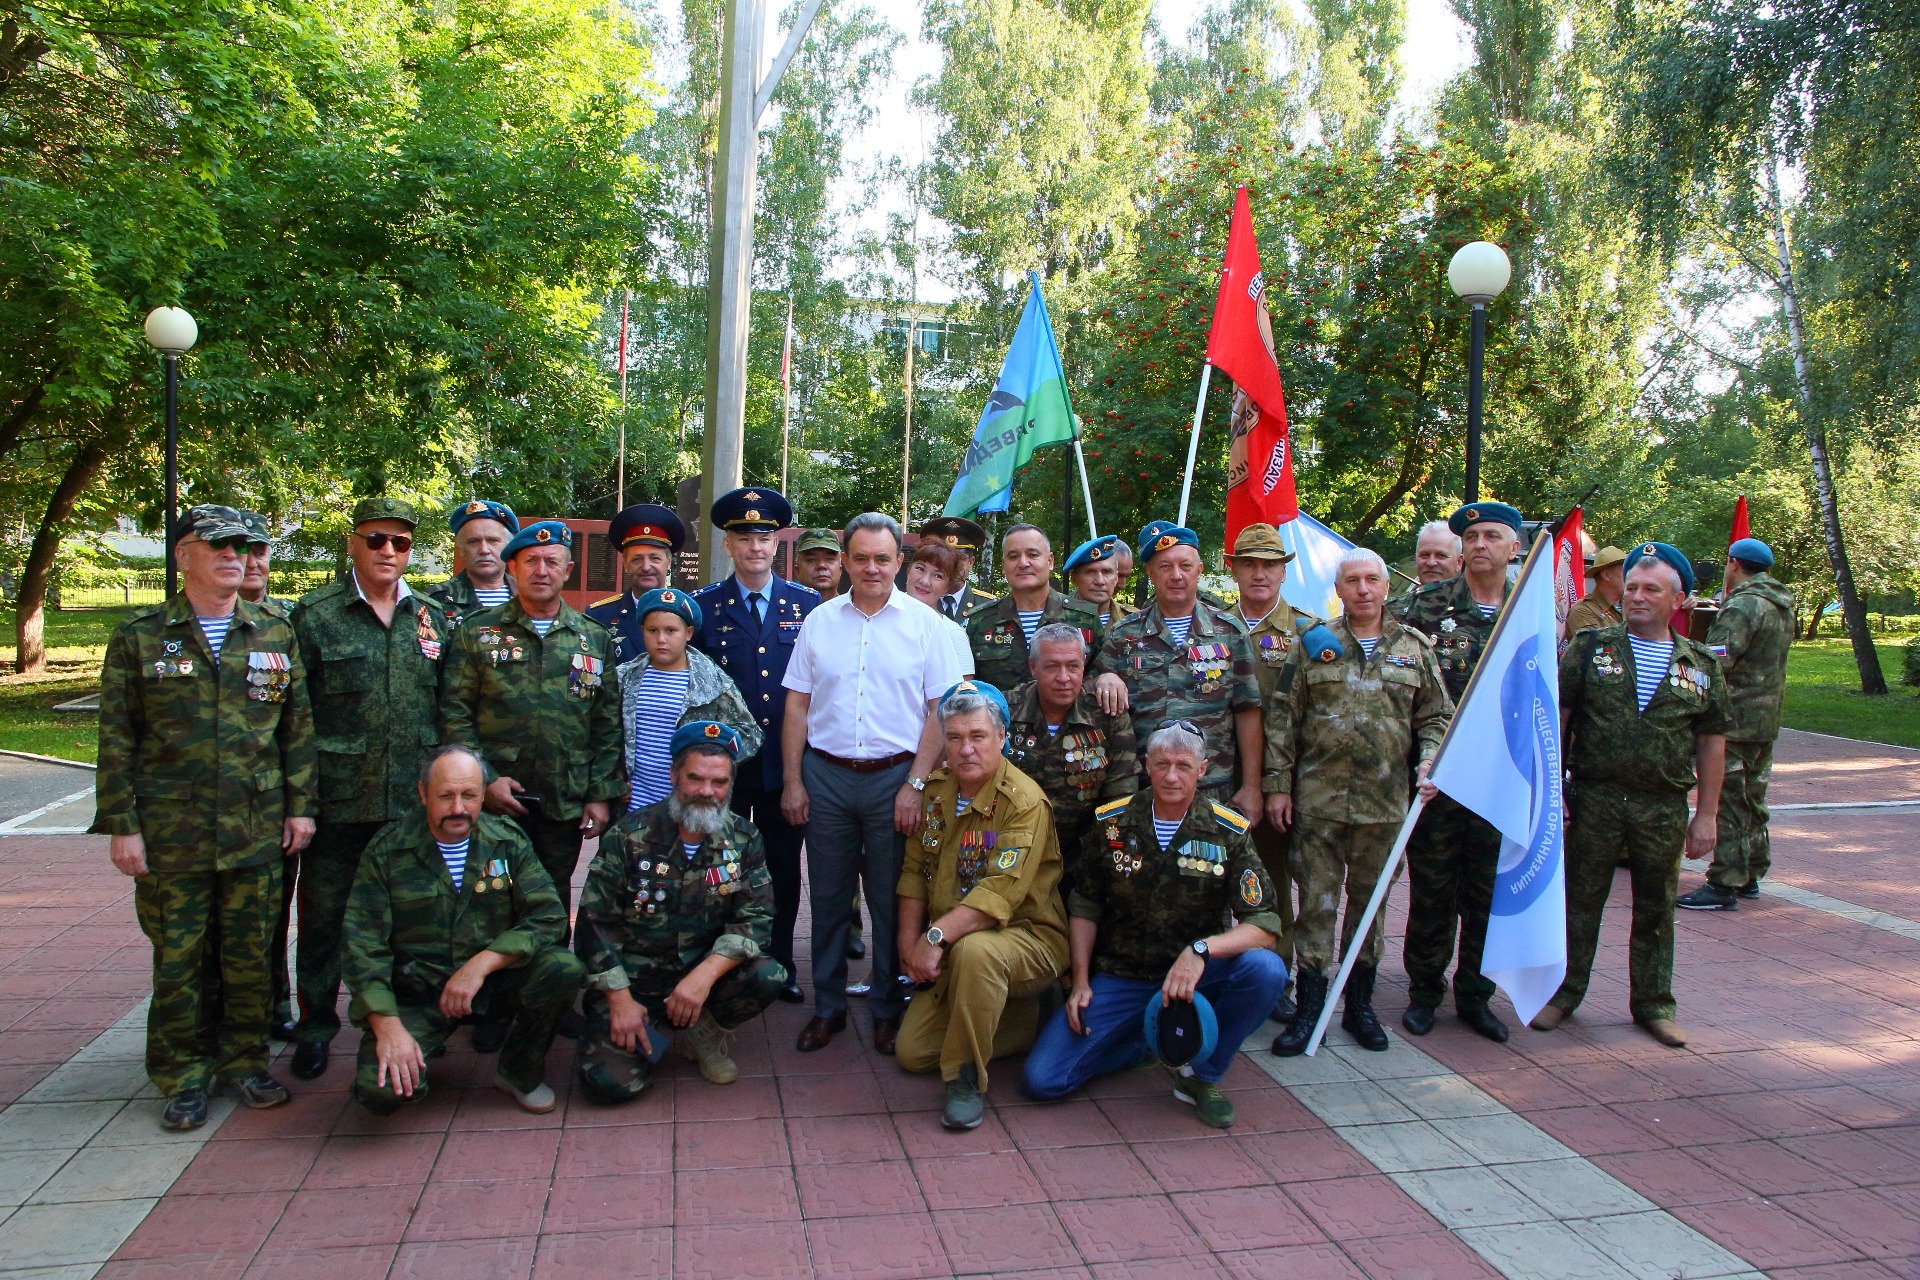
x: 540, y: 1099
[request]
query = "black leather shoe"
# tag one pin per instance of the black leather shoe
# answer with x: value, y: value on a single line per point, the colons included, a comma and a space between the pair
x: 310, y: 1060
x: 1418, y: 1019
x: 1481, y: 1019
x: 819, y: 1032
x: 885, y: 1032
x: 856, y: 949
x: 791, y: 994
x: 1283, y: 1009
x: 1311, y: 987
x: 1358, y: 1018
x: 489, y: 1036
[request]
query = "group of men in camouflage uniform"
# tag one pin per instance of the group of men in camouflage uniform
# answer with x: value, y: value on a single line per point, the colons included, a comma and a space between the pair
x: 416, y: 773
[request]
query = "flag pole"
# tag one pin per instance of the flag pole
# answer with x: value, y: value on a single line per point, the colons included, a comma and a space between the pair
x: 1093, y: 527
x: 620, y: 479
x: 786, y: 392
x: 1380, y: 888
x: 1193, y: 441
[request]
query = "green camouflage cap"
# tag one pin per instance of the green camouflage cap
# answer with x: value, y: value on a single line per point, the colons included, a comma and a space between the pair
x: 256, y: 526
x: 384, y: 509
x: 208, y: 521
x: 818, y: 539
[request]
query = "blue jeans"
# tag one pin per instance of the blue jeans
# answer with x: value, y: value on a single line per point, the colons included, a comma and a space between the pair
x: 1242, y: 990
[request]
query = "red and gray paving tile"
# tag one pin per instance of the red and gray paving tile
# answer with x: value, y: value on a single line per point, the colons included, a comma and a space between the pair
x: 1785, y: 1141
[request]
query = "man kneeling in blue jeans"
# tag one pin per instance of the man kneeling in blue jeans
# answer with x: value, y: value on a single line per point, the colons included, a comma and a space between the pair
x: 1160, y: 872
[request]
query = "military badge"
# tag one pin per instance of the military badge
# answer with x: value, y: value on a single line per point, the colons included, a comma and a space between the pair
x: 1250, y: 888
x: 1008, y: 859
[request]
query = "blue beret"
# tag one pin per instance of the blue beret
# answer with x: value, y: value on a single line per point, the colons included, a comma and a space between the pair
x: 1666, y: 554
x: 1484, y: 513
x: 985, y: 690
x: 647, y: 524
x: 1318, y: 640
x: 707, y: 732
x: 1151, y: 530
x: 541, y: 533
x: 483, y: 510
x: 1752, y: 551
x: 760, y: 510
x: 1185, y: 1031
x: 669, y: 600
x: 1164, y: 537
x: 1093, y: 551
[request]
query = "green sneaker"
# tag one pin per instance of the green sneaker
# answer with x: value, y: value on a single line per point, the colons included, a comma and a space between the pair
x: 1206, y: 1100
x: 965, y: 1106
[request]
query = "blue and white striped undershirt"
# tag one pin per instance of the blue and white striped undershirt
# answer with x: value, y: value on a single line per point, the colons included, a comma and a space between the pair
x: 1179, y: 627
x: 1650, y: 659
x: 542, y: 625
x: 1163, y: 831
x: 1486, y: 610
x: 961, y: 804
x: 1029, y: 622
x: 658, y: 704
x: 455, y: 856
x: 1367, y: 644
x: 1106, y: 618
x: 492, y: 597
x: 215, y: 630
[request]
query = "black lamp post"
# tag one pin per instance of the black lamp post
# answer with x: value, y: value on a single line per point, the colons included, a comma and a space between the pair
x: 1478, y: 273
x: 172, y: 333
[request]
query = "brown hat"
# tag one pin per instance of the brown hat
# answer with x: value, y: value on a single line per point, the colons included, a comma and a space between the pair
x: 1260, y: 542
x: 1606, y: 558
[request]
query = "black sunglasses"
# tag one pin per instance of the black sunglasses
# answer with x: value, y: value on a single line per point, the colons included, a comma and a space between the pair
x: 237, y: 545
x: 1188, y: 725
x: 401, y: 542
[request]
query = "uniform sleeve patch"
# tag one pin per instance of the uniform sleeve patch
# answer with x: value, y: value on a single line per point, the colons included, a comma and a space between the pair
x: 1230, y: 818
x: 1007, y: 860
x: 1112, y: 807
x: 1250, y: 892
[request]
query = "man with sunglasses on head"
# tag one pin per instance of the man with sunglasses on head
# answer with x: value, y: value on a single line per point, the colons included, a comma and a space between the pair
x: 372, y: 649
x: 205, y: 782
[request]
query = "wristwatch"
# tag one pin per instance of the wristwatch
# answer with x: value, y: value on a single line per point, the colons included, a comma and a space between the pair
x: 1200, y: 947
x: 935, y: 936
x: 918, y: 784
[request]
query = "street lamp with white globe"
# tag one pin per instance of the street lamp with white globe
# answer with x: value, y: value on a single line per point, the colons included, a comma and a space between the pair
x: 172, y: 333
x: 1478, y: 273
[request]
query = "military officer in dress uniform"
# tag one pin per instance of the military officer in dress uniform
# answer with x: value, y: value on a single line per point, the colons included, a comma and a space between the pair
x: 967, y: 538
x: 999, y: 632
x: 648, y: 536
x: 749, y: 622
x: 481, y: 530
x: 1453, y: 853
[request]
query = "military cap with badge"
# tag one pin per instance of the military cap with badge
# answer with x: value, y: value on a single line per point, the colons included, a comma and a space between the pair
x: 1474, y: 513
x: 816, y: 539
x: 959, y: 533
x: 669, y: 600
x: 541, y: 533
x: 1666, y: 554
x: 752, y: 510
x: 1093, y: 551
x: 483, y: 509
x: 705, y: 733
x: 646, y: 524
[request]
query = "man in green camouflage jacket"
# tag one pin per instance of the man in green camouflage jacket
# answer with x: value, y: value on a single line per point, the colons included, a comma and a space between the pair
x: 1181, y: 659
x: 1454, y: 852
x: 1643, y: 713
x: 1750, y: 638
x: 531, y: 685
x: 1343, y: 733
x: 205, y: 782
x: 372, y: 649
x: 1058, y: 736
x: 674, y: 925
x: 481, y: 531
x: 451, y: 919
x: 1001, y: 630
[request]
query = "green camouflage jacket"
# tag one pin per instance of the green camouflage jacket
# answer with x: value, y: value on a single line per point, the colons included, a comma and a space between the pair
x: 1000, y: 646
x: 375, y: 692
x: 1152, y: 903
x: 408, y: 929
x: 649, y: 913
x: 1094, y: 757
x: 1203, y: 681
x: 1750, y: 637
x: 1343, y: 736
x: 1611, y: 739
x: 545, y: 713
x: 204, y: 760
x: 711, y: 695
x: 1273, y: 638
x: 456, y: 597
x: 1444, y: 612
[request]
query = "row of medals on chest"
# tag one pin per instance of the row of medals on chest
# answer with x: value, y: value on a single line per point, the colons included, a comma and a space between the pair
x: 724, y: 879
x: 1195, y: 855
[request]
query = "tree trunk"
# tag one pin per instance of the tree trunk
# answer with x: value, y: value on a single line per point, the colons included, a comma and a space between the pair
x: 1872, y: 681
x: 29, y: 612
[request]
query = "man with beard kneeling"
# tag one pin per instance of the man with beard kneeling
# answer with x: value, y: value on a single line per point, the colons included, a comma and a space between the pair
x: 674, y: 924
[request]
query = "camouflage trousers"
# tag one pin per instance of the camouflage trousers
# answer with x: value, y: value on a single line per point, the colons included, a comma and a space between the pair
x: 327, y: 868
x: 1451, y: 859
x: 1745, y: 850
x: 985, y: 1004
x: 1648, y: 829
x: 608, y: 1073
x: 1327, y: 855
x: 1273, y: 847
x: 201, y: 1032
x: 531, y: 998
x: 556, y: 842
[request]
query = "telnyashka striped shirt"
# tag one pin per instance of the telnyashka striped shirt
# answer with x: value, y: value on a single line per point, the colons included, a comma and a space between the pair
x: 661, y: 699
x: 1163, y: 831
x: 1650, y: 661
x: 215, y: 629
x: 541, y: 625
x: 1179, y: 627
x: 492, y: 597
x: 455, y: 856
x: 1029, y: 622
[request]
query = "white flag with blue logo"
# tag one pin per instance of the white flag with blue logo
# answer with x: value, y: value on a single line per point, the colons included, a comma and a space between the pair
x: 1502, y: 760
x: 1316, y: 548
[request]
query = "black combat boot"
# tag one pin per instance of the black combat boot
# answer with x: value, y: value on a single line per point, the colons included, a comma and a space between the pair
x: 1359, y: 1020
x: 1309, y: 999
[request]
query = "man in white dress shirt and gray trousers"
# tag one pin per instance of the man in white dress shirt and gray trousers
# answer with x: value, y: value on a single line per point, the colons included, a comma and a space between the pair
x: 859, y: 741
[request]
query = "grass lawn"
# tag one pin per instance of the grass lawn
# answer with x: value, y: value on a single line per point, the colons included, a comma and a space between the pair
x: 1823, y: 694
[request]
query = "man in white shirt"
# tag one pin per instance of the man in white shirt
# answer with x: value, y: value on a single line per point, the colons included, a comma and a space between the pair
x: 858, y: 743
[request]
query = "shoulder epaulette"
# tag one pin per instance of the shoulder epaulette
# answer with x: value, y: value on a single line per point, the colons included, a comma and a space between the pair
x: 1112, y: 807
x: 709, y: 589
x: 1230, y: 818
x: 801, y: 586
x: 609, y: 600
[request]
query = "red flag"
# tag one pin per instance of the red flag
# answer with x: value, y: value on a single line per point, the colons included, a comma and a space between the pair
x: 1240, y: 345
x: 1569, y: 570
x: 1740, y: 527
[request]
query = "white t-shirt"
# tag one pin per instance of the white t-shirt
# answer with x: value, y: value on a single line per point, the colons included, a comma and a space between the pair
x: 870, y: 678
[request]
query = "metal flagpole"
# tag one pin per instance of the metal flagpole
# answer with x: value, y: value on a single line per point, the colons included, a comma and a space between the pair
x: 906, y: 437
x: 620, y: 484
x: 1193, y: 441
x: 786, y: 392
x: 1086, y: 491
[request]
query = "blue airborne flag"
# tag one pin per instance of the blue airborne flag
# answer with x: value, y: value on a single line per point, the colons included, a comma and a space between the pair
x: 1028, y: 410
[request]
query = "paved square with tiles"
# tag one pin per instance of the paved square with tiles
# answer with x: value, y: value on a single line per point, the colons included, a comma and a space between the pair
x: 1785, y: 1141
